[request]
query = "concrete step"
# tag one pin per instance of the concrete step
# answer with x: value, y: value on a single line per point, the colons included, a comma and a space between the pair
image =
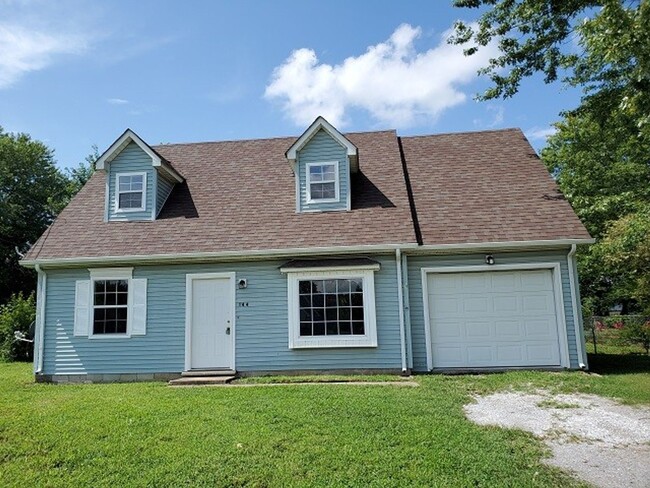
x: 201, y: 380
x: 199, y: 373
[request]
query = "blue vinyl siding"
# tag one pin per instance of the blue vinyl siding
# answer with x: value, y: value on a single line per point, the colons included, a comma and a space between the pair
x: 320, y: 149
x: 261, y: 326
x: 416, y: 263
x: 131, y: 159
x: 165, y: 187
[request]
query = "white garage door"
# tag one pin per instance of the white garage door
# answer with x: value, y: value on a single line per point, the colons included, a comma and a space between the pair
x: 493, y: 319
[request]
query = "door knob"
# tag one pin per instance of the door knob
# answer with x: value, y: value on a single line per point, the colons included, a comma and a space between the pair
x: 227, y: 330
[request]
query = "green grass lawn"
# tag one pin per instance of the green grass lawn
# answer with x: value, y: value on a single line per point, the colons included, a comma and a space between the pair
x: 148, y: 434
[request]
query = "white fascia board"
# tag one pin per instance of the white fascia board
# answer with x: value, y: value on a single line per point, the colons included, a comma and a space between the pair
x: 316, y: 269
x: 117, y: 147
x: 168, y: 170
x: 320, y: 123
x: 501, y: 245
x: 220, y: 255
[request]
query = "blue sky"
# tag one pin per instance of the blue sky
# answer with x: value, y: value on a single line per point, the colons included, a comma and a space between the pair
x: 75, y: 73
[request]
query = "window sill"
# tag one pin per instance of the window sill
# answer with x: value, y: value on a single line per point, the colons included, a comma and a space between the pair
x: 324, y: 200
x: 129, y: 210
x: 332, y: 343
x: 109, y: 336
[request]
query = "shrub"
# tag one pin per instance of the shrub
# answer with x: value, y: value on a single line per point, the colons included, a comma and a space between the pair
x: 637, y: 331
x: 17, y: 314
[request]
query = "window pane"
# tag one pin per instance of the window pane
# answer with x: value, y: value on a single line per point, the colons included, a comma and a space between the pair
x: 357, y: 314
x: 345, y: 328
x: 318, y: 314
x: 332, y: 328
x: 357, y: 299
x: 130, y: 200
x: 318, y: 300
x: 304, y: 287
x: 305, y: 315
x: 331, y: 314
x: 329, y: 190
x: 120, y: 327
x: 356, y: 285
x: 305, y: 329
x: 330, y: 286
x: 357, y: 328
x: 344, y: 314
x: 319, y: 328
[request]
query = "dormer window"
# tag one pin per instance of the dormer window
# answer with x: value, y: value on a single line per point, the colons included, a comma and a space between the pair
x: 323, y: 182
x: 131, y: 191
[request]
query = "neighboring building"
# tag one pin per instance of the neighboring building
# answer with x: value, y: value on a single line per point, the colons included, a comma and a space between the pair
x: 332, y: 252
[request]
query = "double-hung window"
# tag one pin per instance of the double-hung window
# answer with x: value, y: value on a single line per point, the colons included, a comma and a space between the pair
x: 323, y: 182
x: 112, y: 304
x: 332, y: 308
x: 130, y: 192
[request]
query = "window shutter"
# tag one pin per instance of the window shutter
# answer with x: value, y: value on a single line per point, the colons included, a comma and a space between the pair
x: 82, y: 308
x: 138, y: 307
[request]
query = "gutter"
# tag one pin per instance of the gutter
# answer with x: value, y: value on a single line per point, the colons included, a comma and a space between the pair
x: 400, y: 298
x: 40, y: 309
x: 221, y: 255
x: 575, y: 302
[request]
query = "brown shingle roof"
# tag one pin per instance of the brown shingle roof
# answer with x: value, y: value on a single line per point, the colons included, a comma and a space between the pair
x: 240, y: 196
x: 485, y: 187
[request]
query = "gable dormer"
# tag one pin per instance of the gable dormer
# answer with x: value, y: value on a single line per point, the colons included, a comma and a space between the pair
x: 138, y: 179
x: 323, y: 161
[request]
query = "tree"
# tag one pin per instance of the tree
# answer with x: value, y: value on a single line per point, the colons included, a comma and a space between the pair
x: 32, y: 192
x: 600, y: 152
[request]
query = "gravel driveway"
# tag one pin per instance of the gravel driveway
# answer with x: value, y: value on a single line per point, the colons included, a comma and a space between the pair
x: 601, y: 441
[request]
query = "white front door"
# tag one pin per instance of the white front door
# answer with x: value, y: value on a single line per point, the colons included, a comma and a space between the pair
x: 211, y: 330
x: 493, y: 319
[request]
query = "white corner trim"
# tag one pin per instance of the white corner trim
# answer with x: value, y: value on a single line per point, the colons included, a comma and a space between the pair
x: 143, y: 207
x: 41, y: 296
x: 556, y: 269
x: 189, y: 279
x: 369, y: 339
x: 400, y: 301
x: 308, y: 182
x: 577, y: 309
x: 121, y: 142
x: 320, y: 123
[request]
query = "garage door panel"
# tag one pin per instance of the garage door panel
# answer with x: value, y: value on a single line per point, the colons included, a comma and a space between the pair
x: 478, y: 329
x: 480, y: 354
x: 493, y: 319
x: 505, y: 304
x: 508, y: 329
x: 542, y: 302
x: 449, y: 329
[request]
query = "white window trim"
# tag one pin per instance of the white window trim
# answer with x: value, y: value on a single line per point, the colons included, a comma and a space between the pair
x: 100, y: 274
x: 143, y: 207
x: 309, y: 182
x: 369, y: 339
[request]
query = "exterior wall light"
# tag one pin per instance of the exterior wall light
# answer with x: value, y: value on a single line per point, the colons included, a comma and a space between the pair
x: 489, y: 259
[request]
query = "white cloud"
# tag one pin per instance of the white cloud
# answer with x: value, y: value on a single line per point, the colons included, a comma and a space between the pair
x: 497, y: 112
x: 24, y: 50
x: 392, y: 81
x: 117, y: 101
x: 539, y: 133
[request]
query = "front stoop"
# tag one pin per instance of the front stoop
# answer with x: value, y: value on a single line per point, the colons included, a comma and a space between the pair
x: 204, y: 378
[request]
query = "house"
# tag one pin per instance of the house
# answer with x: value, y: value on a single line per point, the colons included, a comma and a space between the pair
x: 329, y: 252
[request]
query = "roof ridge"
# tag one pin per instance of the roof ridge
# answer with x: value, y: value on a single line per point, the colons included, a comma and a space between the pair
x: 488, y: 131
x: 229, y: 141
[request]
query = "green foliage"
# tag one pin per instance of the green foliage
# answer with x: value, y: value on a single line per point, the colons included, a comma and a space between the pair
x: 18, y: 314
x: 599, y: 154
x: 637, y: 332
x: 32, y: 192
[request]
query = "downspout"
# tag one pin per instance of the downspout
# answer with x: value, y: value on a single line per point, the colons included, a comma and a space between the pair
x: 400, y: 298
x: 40, y: 300
x: 575, y: 302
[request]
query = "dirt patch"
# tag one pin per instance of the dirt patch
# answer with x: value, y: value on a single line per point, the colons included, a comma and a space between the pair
x: 603, y: 442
